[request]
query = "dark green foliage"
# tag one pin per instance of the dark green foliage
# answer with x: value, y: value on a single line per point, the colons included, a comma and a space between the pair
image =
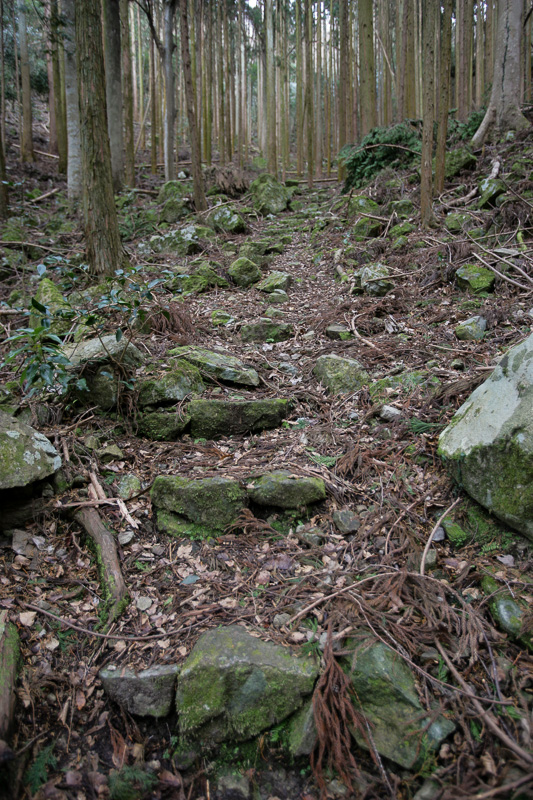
x: 130, y: 783
x: 37, y: 773
x: 394, y: 147
x: 463, y: 131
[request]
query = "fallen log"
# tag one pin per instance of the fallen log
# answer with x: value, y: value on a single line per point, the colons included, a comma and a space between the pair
x: 103, y: 544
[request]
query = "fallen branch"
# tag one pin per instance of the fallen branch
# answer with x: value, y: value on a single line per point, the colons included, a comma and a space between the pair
x: 113, y: 585
x: 44, y: 196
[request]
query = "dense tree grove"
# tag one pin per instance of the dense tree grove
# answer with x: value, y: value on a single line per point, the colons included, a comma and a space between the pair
x: 288, y: 81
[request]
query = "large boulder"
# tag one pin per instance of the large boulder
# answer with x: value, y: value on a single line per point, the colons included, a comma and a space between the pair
x: 489, y: 442
x: 200, y: 278
x: 244, y: 272
x: 227, y: 220
x: 210, y: 503
x: 385, y: 689
x: 220, y: 366
x: 246, y: 686
x: 269, y: 195
x: 172, y: 387
x: 25, y: 454
x: 184, y: 241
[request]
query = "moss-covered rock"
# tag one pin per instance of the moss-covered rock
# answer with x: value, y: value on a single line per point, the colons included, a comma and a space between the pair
x: 220, y: 366
x: 402, y: 229
x: 59, y: 310
x: 277, y: 298
x: 477, y: 279
x: 458, y: 160
x: 162, y: 426
x: 227, y: 220
x: 246, y: 686
x: 148, y: 693
x: 472, y: 329
x: 490, y: 189
x: 456, y: 222
x: 403, y: 208
x: 457, y: 535
x: 508, y: 614
x: 244, y: 272
x: 266, y: 330
x: 25, y: 454
x: 210, y: 502
x: 214, y: 418
x: 340, y: 375
x: 282, y: 489
x: 220, y: 317
x: 366, y: 228
x: 274, y: 282
x: 184, y: 241
x: 269, y: 195
x: 386, y: 694
x: 202, y: 277
x: 174, y: 386
x: 174, y: 190
x: 338, y: 332
x: 374, y: 280
x: 404, y: 383
x: 174, y: 210
x: 489, y: 442
x: 256, y: 252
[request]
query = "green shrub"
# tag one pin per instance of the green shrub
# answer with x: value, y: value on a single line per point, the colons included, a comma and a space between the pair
x: 395, y: 147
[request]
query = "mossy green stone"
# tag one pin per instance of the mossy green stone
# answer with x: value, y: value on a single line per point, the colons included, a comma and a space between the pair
x: 49, y: 295
x: 406, y: 383
x: 374, y: 280
x: 227, y: 220
x: 214, y: 418
x: 340, y: 375
x: 281, y: 489
x: 174, y: 190
x: 456, y: 221
x: 476, y: 278
x: 403, y: 208
x: 25, y: 454
x: 213, y: 502
x: 220, y: 317
x: 509, y: 615
x: 200, y: 280
x: 458, y: 160
x: 148, y: 693
x: 402, y: 229
x: 269, y: 195
x: 233, y: 686
x: 162, y: 426
x: 472, y: 329
x: 455, y: 533
x: 219, y: 365
x: 244, y: 272
x: 490, y: 189
x: 265, y: 330
x: 172, y: 387
x: 275, y: 281
x: 173, y: 210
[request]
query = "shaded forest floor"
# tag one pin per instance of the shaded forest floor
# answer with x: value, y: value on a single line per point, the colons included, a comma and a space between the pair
x: 386, y: 472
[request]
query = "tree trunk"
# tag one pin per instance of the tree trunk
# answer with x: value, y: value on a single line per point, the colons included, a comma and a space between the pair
x: 59, y: 110
x: 4, y: 203
x: 170, y: 91
x: 72, y: 106
x: 114, y: 89
x: 444, y: 94
x: 428, y: 43
x: 309, y: 106
x: 102, y: 240
x: 272, y: 158
x: 153, y: 112
x: 26, y: 144
x: 299, y: 91
x: 198, y: 180
x: 367, y: 75
x: 127, y: 94
x: 503, y: 112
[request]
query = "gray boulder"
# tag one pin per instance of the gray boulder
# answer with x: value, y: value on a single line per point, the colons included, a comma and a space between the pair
x: 227, y: 220
x: 489, y: 442
x: 244, y: 272
x: 25, y: 454
x: 274, y: 281
x: 266, y: 330
x: 148, y: 693
x: 471, y: 330
x: 245, y: 685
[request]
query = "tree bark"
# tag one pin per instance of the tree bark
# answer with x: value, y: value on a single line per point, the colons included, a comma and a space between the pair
x: 503, y: 112
x: 26, y: 144
x: 272, y: 158
x: 72, y: 106
x: 444, y: 94
x: 309, y: 106
x: 198, y: 179
x: 367, y: 74
x: 114, y: 89
x: 4, y: 201
x: 102, y: 239
x: 428, y: 42
x: 127, y: 94
x: 59, y: 110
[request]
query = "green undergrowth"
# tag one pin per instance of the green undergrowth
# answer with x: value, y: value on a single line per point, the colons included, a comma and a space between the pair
x: 396, y: 147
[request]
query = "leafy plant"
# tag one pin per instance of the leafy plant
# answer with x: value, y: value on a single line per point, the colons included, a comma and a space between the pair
x: 130, y: 783
x: 395, y: 147
x: 37, y: 772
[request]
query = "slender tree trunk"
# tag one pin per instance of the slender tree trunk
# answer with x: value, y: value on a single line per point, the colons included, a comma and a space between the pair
x: 272, y: 158
x: 480, y: 51
x: 26, y: 145
x: 114, y: 89
x: 208, y: 89
x: 102, y: 239
x: 367, y: 75
x: 444, y: 94
x: 170, y: 91
x: 4, y: 200
x: 60, y: 115
x: 504, y: 112
x: 127, y: 94
x: 2, y: 79
x: 153, y: 112
x: 299, y: 91
x: 198, y: 180
x: 72, y: 105
x: 52, y: 125
x: 221, y: 92
x: 428, y: 41
x: 309, y: 105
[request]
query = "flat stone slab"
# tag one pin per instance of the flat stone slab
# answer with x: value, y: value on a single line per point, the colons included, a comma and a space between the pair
x: 210, y: 502
x: 339, y: 332
x: 103, y: 350
x: 284, y: 490
x: 25, y: 454
x: 162, y: 426
x: 149, y: 693
x: 221, y: 366
x: 233, y: 686
x: 275, y: 280
x: 266, y: 330
x: 213, y: 418
x: 340, y: 375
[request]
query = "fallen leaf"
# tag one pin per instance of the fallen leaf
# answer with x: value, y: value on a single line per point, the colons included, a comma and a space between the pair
x: 507, y: 560
x: 27, y: 618
x: 80, y: 699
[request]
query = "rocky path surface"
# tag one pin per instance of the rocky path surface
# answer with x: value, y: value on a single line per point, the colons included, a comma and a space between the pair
x: 267, y: 459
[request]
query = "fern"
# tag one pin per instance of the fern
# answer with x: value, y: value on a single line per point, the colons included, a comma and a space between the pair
x: 130, y: 783
x: 382, y: 147
x: 37, y: 772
